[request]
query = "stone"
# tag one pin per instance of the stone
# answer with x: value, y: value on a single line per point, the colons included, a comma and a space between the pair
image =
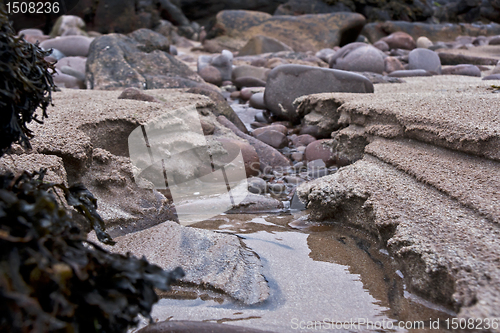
x: 269, y: 157
x: 468, y: 70
x: 410, y: 73
x: 424, y: 59
x: 448, y: 58
x: 274, y: 127
x: 70, y: 46
x: 248, y: 81
x: 67, y: 81
x: 321, y: 150
x: 400, y: 40
x: 492, y: 77
x: 249, y: 154
x: 211, y: 75
x: 358, y: 57
x: 303, y: 140
x: 325, y: 54
x: 392, y: 64
x: 247, y: 93
x: 262, y: 44
x: 222, y: 107
x: 424, y: 42
x: 495, y: 40
x: 138, y: 95
x: 249, y: 71
x: 77, y: 63
x: 313, y: 130
x: 195, y: 326
x: 68, y: 25
x: 75, y: 73
x: 286, y: 83
x: 199, y: 252
x: 256, y: 185
x: 299, y: 7
x: 254, y: 203
x: 140, y: 60
x: 382, y: 46
x: 17, y: 164
x: 435, y: 32
x: 257, y: 101
x: 273, y: 138
x: 224, y: 63
x: 301, y: 33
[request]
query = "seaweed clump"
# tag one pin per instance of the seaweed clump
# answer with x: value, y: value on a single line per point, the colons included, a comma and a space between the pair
x: 25, y: 85
x: 52, y: 279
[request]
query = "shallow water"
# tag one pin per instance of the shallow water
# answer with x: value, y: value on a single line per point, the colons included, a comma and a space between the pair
x: 321, y: 275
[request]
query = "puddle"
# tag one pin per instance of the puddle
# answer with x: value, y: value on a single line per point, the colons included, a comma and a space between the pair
x: 325, y: 276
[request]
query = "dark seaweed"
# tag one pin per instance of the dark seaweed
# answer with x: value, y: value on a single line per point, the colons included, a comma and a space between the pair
x: 54, y: 280
x: 25, y: 85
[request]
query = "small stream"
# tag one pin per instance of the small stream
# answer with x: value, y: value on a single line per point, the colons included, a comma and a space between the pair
x: 320, y: 273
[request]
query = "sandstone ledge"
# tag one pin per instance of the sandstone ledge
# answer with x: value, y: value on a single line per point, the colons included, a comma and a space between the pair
x: 427, y: 183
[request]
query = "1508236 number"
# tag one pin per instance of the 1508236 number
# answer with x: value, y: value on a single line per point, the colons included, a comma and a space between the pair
x: 471, y: 323
x: 32, y: 7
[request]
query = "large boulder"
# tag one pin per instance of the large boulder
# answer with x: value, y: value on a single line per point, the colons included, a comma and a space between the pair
x: 287, y: 82
x: 358, y: 57
x: 138, y: 60
x: 262, y: 44
x: 301, y: 33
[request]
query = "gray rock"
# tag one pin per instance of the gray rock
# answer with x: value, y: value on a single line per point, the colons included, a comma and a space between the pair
x: 424, y: 59
x: 209, y: 259
x: 325, y: 54
x: 78, y: 63
x: 287, y: 82
x: 70, y: 46
x: 468, y: 70
x: 321, y: 150
x: 410, y: 73
x: 256, y: 185
x: 358, y: 57
x: 273, y: 127
x: 257, y: 101
x: 211, y: 75
x: 250, y: 71
x: 139, y: 60
x: 248, y: 81
x: 400, y: 40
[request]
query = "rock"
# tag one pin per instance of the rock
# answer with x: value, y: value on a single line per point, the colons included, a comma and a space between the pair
x: 381, y: 45
x: 435, y: 32
x: 249, y: 154
x: 200, y: 254
x: 325, y: 54
x: 222, y: 106
x: 410, y: 73
x: 400, y: 40
x: 256, y: 185
x: 211, y: 75
x: 358, y: 57
x: 262, y: 44
x: 492, y: 77
x: 254, y: 203
x: 257, y: 101
x: 424, y: 42
x: 248, y: 81
x: 297, y: 156
x: 138, y: 95
x: 303, y: 140
x: 392, y: 64
x: 276, y: 188
x: 172, y: 326
x: 424, y: 59
x: 468, y: 70
x: 31, y: 32
x: 274, y: 127
x: 247, y: 93
x: 17, y: 164
x: 286, y: 83
x: 273, y: 138
x: 448, y: 58
x: 67, y: 81
x: 249, y: 71
x: 77, y: 63
x: 321, y: 150
x: 301, y: 33
x: 70, y: 46
x: 139, y: 60
x: 269, y: 157
x: 73, y: 72
x: 495, y: 40
x: 224, y: 63
x: 68, y: 25
x: 299, y: 7
x: 313, y: 130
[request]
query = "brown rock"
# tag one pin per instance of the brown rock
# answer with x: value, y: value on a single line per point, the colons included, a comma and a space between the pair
x: 273, y: 138
x: 136, y: 94
x: 303, y: 140
x: 392, y: 64
x: 211, y: 75
x: 301, y: 33
x: 274, y: 127
x: 320, y: 150
x: 400, y: 40
x: 358, y: 57
x: 250, y: 156
x: 70, y: 46
x: 468, y: 70
x: 381, y: 45
x: 262, y: 44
